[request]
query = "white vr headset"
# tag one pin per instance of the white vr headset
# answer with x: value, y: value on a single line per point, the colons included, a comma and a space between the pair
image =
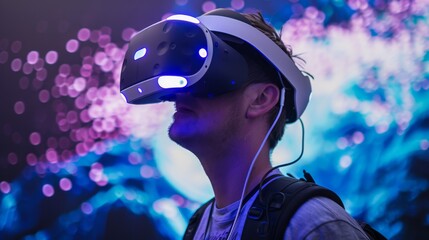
x: 198, y: 55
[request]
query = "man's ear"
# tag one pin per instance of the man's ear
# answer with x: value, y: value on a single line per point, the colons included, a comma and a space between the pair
x: 263, y: 97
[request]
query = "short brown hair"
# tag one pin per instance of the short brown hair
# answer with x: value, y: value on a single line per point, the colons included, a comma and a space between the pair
x: 262, y: 71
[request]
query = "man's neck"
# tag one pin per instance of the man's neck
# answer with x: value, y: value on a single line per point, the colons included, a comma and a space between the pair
x: 227, y: 172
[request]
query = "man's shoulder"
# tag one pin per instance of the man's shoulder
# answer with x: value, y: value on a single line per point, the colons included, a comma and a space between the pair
x: 320, y: 216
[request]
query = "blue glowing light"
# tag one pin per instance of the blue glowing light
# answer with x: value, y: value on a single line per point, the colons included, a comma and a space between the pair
x: 140, y: 53
x: 140, y: 90
x: 203, y: 53
x: 172, y: 81
x: 182, y: 17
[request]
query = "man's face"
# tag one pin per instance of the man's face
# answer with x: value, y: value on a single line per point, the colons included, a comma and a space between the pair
x: 206, y: 121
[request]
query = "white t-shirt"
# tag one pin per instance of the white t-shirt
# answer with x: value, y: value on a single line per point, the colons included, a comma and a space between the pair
x: 318, y: 218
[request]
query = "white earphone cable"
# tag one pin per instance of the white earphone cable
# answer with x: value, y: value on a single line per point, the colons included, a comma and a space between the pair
x: 249, y: 171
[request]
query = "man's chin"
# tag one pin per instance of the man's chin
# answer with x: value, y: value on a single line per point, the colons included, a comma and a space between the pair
x: 179, y: 134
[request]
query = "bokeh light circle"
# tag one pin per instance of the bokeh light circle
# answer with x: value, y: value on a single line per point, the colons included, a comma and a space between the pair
x: 35, y: 138
x: 32, y: 57
x: 72, y: 45
x: 48, y: 190
x: 5, y: 187
x: 19, y: 107
x: 51, y: 57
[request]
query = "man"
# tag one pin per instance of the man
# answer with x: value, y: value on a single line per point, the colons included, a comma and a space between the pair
x: 224, y: 115
x: 225, y: 133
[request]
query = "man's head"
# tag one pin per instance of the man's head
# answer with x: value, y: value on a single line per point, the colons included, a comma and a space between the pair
x: 210, y: 56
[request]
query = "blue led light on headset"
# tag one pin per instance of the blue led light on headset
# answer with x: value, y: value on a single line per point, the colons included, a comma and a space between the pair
x: 140, y: 53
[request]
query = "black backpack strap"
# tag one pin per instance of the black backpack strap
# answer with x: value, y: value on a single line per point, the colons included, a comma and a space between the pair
x: 271, y: 212
x: 195, y: 220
